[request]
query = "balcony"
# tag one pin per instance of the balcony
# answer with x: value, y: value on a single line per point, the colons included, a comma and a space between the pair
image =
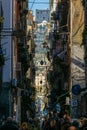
x: 25, y: 11
x: 19, y: 33
x: 24, y: 60
x: 20, y: 44
x: 19, y: 7
x: 21, y: 49
x: 55, y: 16
x: 21, y: 1
x: 21, y: 14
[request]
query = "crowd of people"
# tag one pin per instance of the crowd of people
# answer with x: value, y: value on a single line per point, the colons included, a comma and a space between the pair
x: 55, y: 121
x: 63, y: 122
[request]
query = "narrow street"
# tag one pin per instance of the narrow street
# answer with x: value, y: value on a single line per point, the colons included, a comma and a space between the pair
x: 43, y: 65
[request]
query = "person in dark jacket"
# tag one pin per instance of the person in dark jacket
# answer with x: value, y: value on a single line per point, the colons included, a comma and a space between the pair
x: 53, y: 124
x: 9, y: 125
x: 66, y: 123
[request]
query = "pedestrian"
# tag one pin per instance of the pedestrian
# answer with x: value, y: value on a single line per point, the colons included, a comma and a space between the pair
x: 9, y: 125
x: 45, y: 124
x: 53, y: 124
x: 76, y: 123
x: 24, y: 126
x: 66, y: 123
x: 72, y: 127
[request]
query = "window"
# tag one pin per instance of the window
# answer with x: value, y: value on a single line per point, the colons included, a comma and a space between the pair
x: 43, y: 17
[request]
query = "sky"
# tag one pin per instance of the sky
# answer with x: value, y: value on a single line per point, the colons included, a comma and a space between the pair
x: 38, y: 4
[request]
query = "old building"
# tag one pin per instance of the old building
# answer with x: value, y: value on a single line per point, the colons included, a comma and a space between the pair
x: 6, y: 43
x: 59, y: 40
x: 68, y: 55
x: 42, y: 15
x: 17, y: 55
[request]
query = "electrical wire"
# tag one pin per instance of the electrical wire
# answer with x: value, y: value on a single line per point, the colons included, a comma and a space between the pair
x: 32, y: 4
x: 39, y: 2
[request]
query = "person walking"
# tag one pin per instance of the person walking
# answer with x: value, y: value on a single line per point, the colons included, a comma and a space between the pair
x: 24, y: 126
x: 53, y: 124
x: 72, y: 127
x: 66, y: 123
x: 45, y: 124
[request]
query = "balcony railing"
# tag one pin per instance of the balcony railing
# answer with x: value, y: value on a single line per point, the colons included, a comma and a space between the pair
x: 55, y: 15
x: 25, y: 11
x: 19, y: 33
x: 21, y: 1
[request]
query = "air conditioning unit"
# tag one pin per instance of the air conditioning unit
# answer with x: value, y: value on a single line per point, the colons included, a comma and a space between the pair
x: 14, y: 82
x: 18, y: 66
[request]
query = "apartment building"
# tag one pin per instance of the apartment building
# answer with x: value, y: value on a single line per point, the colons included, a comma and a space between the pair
x: 42, y: 15
x: 7, y: 46
x: 13, y: 36
x: 63, y: 20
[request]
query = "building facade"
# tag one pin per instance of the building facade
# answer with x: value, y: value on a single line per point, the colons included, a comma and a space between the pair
x: 60, y: 52
x: 42, y: 15
x: 17, y: 58
x: 67, y: 36
x: 7, y: 45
